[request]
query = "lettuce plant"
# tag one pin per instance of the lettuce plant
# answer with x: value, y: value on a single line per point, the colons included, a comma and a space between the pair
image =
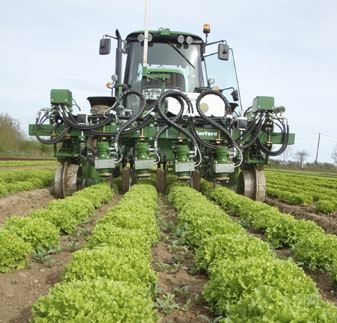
x: 95, y: 301
x: 13, y: 251
x: 39, y: 233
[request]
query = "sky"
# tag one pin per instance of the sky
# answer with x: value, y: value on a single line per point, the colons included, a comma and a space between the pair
x: 283, y: 48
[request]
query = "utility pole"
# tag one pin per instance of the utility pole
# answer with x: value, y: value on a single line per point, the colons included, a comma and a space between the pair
x: 318, y: 142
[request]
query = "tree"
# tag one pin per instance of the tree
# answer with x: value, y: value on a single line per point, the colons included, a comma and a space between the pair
x: 13, y: 141
x: 334, y: 154
x: 10, y: 133
x: 301, y: 156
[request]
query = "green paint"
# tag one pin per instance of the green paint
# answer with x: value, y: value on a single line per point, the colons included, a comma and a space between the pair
x: 222, y: 154
x: 182, y: 153
x: 61, y: 96
x: 102, y: 149
x: 263, y: 103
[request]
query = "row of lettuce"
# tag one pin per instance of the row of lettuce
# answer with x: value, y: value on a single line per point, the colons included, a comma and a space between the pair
x: 7, y: 164
x: 110, y: 279
x: 311, y: 246
x: 40, y: 230
x: 301, y: 189
x: 247, y: 282
x: 12, y: 181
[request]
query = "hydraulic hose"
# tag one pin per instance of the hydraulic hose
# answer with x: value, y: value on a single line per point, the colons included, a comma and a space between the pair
x: 210, y: 120
x: 175, y: 94
x: 71, y: 122
x: 144, y: 123
x: 39, y: 122
x: 255, y: 130
x: 197, y: 138
x: 174, y: 119
x: 133, y: 117
x: 285, y: 132
x: 54, y: 140
x: 129, y: 122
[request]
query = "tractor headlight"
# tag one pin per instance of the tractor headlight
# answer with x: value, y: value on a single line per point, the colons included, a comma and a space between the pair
x: 151, y: 94
x: 189, y: 40
x: 181, y: 39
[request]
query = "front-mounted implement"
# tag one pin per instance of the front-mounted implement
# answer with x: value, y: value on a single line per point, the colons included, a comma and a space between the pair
x: 165, y: 114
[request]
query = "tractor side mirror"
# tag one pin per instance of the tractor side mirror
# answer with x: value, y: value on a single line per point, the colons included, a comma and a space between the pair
x: 223, y: 52
x: 105, y: 46
x: 235, y: 95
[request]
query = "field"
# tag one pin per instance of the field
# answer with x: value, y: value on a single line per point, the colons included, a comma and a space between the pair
x: 306, y: 195
x: 179, y: 257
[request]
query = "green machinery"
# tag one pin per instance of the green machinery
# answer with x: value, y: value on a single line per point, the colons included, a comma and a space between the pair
x: 173, y: 106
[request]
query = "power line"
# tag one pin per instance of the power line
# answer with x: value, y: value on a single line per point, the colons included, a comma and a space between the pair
x: 329, y: 138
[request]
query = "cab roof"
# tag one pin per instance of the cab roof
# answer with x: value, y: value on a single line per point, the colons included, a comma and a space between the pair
x: 163, y: 35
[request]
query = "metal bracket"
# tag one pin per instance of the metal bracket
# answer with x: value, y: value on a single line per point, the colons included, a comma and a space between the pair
x: 105, y: 163
x: 223, y: 168
x: 144, y: 163
x: 184, y: 167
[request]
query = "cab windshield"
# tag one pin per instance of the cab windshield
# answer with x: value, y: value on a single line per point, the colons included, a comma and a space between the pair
x: 180, y: 60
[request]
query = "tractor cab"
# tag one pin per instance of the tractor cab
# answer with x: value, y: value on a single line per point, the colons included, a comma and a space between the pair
x: 176, y: 61
x: 173, y: 62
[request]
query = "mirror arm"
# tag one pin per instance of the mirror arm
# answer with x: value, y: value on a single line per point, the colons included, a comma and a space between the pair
x: 216, y: 42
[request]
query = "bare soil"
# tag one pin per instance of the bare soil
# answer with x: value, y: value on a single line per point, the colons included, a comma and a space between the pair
x: 180, y: 287
x: 23, y: 202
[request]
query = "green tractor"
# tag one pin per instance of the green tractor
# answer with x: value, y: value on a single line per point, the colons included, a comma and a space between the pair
x: 176, y: 108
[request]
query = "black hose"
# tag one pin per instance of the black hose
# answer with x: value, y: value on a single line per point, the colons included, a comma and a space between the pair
x: 129, y: 122
x: 198, y: 139
x: 175, y: 94
x: 174, y: 119
x: 210, y: 120
x: 144, y: 123
x: 285, y: 133
x: 70, y: 121
x: 255, y: 130
x: 246, y: 111
x: 133, y: 117
x: 50, y: 141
